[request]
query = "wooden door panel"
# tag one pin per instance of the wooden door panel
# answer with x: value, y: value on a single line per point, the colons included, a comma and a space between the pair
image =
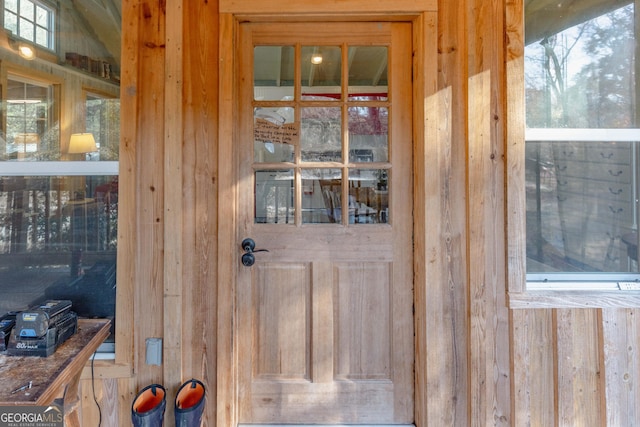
x: 282, y: 311
x: 363, y: 319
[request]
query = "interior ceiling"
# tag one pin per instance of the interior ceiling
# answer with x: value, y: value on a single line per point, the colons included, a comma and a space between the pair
x: 105, y: 18
x: 274, y: 66
x: 545, y: 18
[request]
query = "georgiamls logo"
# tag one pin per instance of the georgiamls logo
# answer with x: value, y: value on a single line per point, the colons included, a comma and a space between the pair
x: 31, y: 416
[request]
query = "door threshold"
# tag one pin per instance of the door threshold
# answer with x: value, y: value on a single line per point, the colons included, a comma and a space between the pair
x: 326, y: 425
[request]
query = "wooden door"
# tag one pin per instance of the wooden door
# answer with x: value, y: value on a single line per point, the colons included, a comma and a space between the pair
x: 323, y: 150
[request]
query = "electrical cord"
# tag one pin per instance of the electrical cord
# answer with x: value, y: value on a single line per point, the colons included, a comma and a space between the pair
x: 93, y: 389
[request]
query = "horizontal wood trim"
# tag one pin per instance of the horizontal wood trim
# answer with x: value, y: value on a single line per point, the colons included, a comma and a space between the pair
x: 335, y: 32
x: 106, y: 369
x: 574, y: 299
x: 334, y: 6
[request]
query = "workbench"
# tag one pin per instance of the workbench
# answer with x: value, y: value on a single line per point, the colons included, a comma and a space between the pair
x: 52, y: 378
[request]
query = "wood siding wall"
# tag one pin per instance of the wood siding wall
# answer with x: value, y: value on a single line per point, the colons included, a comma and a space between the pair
x: 479, y: 363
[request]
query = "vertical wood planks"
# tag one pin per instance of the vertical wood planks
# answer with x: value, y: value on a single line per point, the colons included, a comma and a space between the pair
x: 199, y: 196
x: 149, y: 184
x: 534, y: 363
x: 621, y: 336
x: 489, y: 320
x: 127, y: 216
x: 226, y: 414
x: 580, y: 368
x: 421, y: 27
x: 174, y: 321
x: 442, y: 322
x: 514, y: 144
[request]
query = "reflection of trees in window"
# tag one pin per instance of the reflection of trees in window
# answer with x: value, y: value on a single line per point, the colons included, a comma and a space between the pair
x: 609, y: 80
x: 584, y: 76
x: 581, y: 195
x: 31, y: 122
x: 103, y: 121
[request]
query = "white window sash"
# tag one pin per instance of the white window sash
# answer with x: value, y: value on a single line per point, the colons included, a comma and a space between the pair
x: 62, y: 168
x: 581, y: 134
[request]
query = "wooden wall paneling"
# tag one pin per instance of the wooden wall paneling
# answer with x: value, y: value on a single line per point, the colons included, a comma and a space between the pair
x: 90, y: 413
x: 226, y: 414
x: 425, y: 110
x: 489, y: 333
x: 100, y: 403
x: 127, y: 215
x: 149, y: 186
x: 126, y: 392
x: 621, y: 341
x: 174, y: 321
x: 514, y: 123
x: 580, y: 368
x: 199, y: 158
x: 442, y: 322
x: 533, y: 372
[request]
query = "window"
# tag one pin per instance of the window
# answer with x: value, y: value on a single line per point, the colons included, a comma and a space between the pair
x: 102, y: 121
x: 59, y: 143
x: 326, y: 131
x: 582, y: 152
x: 29, y: 132
x: 30, y: 20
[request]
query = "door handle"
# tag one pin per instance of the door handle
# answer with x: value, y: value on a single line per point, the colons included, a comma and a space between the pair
x: 249, y: 248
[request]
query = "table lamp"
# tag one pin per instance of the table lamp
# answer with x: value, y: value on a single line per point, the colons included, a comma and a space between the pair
x: 82, y: 143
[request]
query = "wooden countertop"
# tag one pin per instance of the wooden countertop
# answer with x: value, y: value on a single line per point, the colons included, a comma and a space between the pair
x: 50, y: 375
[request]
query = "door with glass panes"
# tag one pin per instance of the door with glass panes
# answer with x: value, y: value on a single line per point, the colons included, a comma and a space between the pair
x: 324, y: 293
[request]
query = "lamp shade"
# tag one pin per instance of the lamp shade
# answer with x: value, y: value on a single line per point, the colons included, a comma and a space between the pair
x: 82, y: 143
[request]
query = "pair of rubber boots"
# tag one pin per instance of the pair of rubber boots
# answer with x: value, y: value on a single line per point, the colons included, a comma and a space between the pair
x: 149, y: 405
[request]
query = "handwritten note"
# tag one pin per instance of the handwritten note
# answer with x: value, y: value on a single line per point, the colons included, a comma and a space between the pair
x: 266, y: 131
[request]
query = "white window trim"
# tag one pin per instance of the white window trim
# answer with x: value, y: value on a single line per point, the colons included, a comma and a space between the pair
x: 581, y: 135
x: 59, y: 168
x: 579, y: 289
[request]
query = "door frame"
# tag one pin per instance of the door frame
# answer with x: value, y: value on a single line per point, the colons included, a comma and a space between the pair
x: 426, y: 105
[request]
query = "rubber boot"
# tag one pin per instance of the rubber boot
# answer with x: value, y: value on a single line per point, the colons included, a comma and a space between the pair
x: 190, y: 404
x: 148, y: 407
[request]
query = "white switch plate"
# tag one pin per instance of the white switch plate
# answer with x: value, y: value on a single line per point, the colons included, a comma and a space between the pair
x: 153, y: 351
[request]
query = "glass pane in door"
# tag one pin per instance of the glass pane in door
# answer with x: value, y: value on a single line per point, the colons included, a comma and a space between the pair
x: 321, y: 196
x: 368, y: 134
x: 274, y: 134
x: 274, y: 196
x: 321, y: 134
x: 368, y: 196
x: 273, y: 73
x: 321, y: 72
x: 368, y: 73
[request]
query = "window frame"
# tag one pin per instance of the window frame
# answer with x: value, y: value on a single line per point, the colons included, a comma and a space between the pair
x: 61, y: 166
x: 50, y: 28
x: 540, y: 293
